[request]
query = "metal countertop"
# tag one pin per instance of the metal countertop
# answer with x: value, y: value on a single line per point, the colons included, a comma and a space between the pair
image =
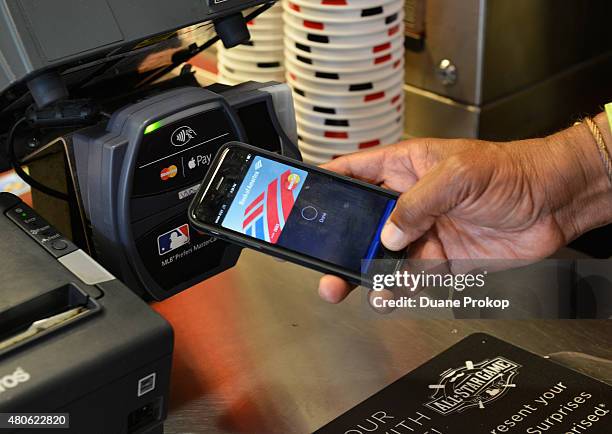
x: 256, y: 350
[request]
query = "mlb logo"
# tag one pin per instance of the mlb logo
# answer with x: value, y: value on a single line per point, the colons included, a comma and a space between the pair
x: 173, y: 239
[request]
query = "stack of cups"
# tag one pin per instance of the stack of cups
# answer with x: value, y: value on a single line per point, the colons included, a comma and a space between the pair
x: 260, y: 59
x: 345, y: 64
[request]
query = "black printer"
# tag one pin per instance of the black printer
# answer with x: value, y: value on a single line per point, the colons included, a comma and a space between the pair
x: 73, y: 339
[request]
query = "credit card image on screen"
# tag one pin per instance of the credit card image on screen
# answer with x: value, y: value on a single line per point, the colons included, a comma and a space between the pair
x: 293, y: 210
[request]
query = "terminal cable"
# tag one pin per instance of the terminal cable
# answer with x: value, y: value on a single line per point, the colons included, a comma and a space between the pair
x: 16, y: 165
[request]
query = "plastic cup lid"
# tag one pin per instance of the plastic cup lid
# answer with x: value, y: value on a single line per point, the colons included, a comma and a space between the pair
x: 395, y: 105
x: 252, y: 56
x: 241, y: 76
x: 347, y: 30
x: 323, y: 124
x: 313, y: 75
x: 335, y: 16
x: 358, y: 93
x: 341, y: 108
x: 323, y: 52
x: 344, y: 5
x: 343, y: 140
x: 257, y: 67
x: 331, y: 66
x: 322, y: 149
x: 343, y: 42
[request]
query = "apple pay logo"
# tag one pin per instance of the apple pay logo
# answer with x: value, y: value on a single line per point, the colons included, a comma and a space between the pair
x: 197, y: 161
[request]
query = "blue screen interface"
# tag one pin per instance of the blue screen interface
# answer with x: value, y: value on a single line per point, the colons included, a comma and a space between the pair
x: 307, y: 212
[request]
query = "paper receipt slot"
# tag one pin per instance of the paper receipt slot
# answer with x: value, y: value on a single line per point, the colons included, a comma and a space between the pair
x: 137, y: 174
x: 74, y: 341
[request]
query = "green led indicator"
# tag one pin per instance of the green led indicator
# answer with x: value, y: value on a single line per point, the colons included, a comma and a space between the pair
x: 154, y: 126
x: 23, y: 214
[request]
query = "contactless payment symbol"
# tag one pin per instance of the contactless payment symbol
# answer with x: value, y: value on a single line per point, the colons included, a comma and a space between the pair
x: 173, y: 239
x: 292, y: 181
x: 182, y: 135
x: 472, y: 385
x: 168, y: 172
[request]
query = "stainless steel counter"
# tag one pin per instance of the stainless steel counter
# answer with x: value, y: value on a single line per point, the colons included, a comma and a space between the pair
x: 258, y: 351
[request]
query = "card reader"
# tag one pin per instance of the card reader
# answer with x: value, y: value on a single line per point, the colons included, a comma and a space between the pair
x: 137, y: 173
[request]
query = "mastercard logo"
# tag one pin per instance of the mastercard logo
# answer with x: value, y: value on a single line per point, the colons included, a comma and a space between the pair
x: 168, y: 172
x: 292, y: 181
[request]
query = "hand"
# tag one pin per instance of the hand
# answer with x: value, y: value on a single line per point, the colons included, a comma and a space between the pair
x: 469, y: 199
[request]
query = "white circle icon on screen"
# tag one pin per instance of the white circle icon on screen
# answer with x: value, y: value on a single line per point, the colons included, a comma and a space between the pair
x: 309, y: 213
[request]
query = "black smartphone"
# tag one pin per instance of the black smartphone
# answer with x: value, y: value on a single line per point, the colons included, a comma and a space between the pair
x: 295, y: 211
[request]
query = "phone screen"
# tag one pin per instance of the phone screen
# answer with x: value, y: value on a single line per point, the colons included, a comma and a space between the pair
x: 307, y: 212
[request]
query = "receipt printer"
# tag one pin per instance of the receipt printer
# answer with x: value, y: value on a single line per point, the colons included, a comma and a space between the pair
x: 73, y: 339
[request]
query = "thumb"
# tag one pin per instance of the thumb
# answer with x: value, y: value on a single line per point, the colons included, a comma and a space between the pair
x: 417, y: 209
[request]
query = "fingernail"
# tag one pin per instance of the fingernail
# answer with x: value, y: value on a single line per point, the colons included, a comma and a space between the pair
x: 392, y: 237
x: 325, y: 296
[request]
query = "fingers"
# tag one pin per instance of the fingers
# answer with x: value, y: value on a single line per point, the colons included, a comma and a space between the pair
x: 377, y: 300
x: 365, y: 165
x: 418, y: 208
x: 334, y: 289
x: 427, y: 248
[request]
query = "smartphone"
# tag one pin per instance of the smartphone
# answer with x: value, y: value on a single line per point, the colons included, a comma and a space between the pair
x: 295, y: 211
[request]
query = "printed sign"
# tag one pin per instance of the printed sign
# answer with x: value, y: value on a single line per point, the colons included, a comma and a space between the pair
x: 483, y: 385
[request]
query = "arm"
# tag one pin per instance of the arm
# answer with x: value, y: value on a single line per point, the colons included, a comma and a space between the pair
x: 578, y: 186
